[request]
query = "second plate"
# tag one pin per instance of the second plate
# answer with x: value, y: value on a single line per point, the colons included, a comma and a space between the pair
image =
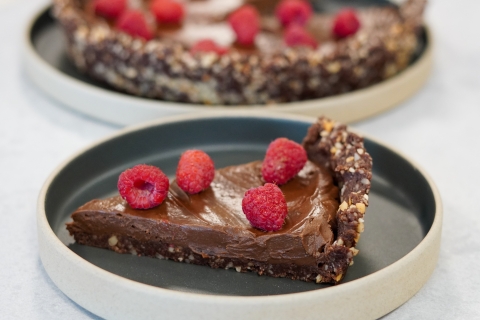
x: 48, y: 66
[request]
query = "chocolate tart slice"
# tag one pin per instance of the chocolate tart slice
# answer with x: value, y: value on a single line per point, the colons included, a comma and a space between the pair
x: 268, y: 72
x: 326, y: 203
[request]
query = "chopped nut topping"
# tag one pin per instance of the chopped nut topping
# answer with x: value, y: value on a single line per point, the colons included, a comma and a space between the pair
x: 343, y: 206
x: 334, y: 67
x: 112, y: 241
x: 360, y: 227
x: 357, y: 237
x: 354, y: 251
x: 361, y: 207
x: 328, y: 125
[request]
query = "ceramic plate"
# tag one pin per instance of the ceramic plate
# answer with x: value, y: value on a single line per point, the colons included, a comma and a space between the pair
x: 398, y: 250
x: 47, y: 65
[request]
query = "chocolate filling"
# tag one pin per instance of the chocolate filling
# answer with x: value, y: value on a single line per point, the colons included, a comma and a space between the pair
x: 213, y: 223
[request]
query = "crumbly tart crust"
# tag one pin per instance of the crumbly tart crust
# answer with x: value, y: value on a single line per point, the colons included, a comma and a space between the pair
x: 343, y: 153
x: 165, y: 69
x: 329, y: 145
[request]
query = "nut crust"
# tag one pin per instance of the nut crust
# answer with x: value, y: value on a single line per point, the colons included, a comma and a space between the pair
x: 343, y: 153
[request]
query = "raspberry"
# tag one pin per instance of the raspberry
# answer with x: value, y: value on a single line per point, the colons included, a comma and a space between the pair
x: 283, y: 160
x: 245, y: 22
x: 293, y: 11
x: 265, y: 207
x: 345, y: 23
x: 296, y: 35
x: 195, y: 171
x: 109, y: 9
x: 133, y: 22
x: 167, y: 11
x: 207, y: 45
x: 143, y: 186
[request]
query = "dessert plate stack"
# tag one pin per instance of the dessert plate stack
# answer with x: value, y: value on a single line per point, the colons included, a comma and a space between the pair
x: 399, y: 248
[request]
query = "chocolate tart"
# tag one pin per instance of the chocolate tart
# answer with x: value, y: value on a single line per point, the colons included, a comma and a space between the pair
x: 326, y: 203
x: 163, y: 68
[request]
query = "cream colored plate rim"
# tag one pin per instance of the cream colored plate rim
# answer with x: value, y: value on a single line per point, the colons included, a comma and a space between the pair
x: 111, y: 296
x: 122, y: 109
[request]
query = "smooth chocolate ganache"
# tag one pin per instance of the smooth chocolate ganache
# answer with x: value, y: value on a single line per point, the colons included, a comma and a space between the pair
x: 213, y: 223
x: 316, y: 242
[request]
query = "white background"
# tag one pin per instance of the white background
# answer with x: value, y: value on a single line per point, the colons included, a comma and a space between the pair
x: 438, y: 128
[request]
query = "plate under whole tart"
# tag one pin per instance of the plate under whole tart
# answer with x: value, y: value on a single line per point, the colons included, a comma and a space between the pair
x: 405, y: 212
x: 47, y: 64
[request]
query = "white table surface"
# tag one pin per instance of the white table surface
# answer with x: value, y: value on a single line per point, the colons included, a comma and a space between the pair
x: 439, y: 128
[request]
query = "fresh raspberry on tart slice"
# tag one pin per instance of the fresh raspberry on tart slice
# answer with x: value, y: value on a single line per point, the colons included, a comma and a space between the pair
x: 207, y: 45
x: 143, y: 186
x: 134, y: 23
x: 195, y: 171
x: 293, y: 11
x: 265, y: 207
x: 283, y: 160
x: 245, y: 22
x: 346, y: 23
x: 167, y: 11
x: 110, y: 9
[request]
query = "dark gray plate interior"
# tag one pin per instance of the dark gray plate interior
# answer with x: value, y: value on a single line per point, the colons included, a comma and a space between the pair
x: 401, y: 212
x: 49, y: 42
